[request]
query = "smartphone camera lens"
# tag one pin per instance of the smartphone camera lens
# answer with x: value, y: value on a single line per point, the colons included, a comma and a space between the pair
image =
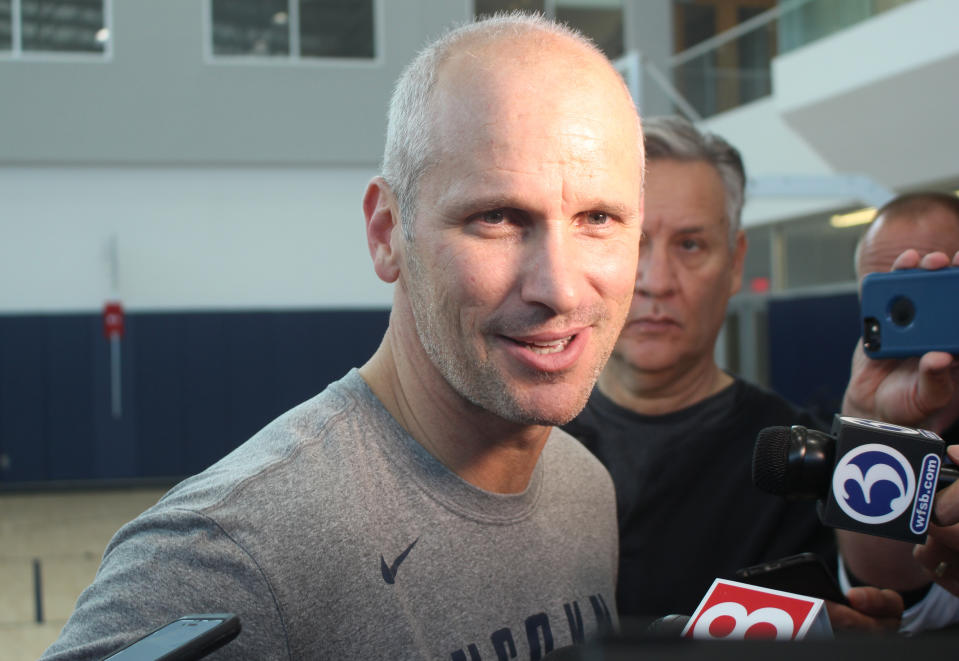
x: 902, y: 311
x: 870, y: 334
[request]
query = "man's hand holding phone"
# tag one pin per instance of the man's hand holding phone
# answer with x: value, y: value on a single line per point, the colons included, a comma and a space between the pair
x: 916, y: 391
x: 940, y: 554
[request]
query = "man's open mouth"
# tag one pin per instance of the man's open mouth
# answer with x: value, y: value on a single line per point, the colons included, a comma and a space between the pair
x: 553, y: 346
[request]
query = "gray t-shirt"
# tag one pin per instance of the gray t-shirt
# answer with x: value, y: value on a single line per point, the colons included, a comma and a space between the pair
x: 333, y: 534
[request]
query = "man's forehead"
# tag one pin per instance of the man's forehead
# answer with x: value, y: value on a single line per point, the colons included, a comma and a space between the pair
x: 684, y: 226
x: 933, y: 230
x: 518, y: 117
x: 493, y: 52
x: 684, y: 197
x: 529, y: 72
x: 934, y: 226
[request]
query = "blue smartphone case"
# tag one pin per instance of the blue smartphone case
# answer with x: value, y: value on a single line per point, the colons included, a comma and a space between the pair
x: 909, y: 312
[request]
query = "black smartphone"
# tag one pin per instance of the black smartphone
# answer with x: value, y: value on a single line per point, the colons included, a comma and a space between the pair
x: 803, y: 573
x: 185, y: 639
x: 910, y: 312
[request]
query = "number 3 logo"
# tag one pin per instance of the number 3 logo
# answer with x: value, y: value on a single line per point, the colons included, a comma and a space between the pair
x: 742, y: 621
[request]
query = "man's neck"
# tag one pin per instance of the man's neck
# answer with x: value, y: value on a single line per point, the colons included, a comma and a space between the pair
x: 661, y: 392
x: 482, y: 448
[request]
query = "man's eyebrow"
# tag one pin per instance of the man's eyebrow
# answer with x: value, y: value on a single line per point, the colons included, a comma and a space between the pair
x: 485, y: 203
x: 613, y: 208
x: 482, y: 203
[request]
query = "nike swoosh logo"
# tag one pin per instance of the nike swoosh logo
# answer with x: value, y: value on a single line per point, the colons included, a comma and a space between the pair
x: 389, y: 572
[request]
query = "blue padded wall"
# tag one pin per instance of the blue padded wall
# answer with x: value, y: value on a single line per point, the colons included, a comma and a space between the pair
x: 811, y: 340
x: 195, y: 385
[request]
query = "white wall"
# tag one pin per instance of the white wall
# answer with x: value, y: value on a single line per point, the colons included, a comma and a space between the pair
x: 881, y: 97
x: 187, y: 238
x: 159, y: 101
x: 770, y: 147
x: 227, y: 185
x: 878, y: 99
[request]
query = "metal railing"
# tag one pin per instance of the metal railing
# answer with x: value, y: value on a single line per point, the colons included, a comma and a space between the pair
x: 734, y: 67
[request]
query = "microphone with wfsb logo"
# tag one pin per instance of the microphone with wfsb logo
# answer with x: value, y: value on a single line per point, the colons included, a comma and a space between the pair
x: 737, y: 611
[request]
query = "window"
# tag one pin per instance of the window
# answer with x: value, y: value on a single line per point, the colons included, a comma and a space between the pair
x: 293, y: 29
x: 6, y: 26
x: 54, y: 26
x: 800, y: 253
x: 600, y: 20
x: 251, y: 28
x: 729, y: 74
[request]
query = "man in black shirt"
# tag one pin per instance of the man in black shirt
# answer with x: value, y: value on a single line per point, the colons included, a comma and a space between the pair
x: 676, y: 431
x: 687, y: 508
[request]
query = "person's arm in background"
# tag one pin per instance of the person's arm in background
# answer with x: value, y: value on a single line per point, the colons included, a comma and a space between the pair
x: 914, y: 392
x: 940, y: 554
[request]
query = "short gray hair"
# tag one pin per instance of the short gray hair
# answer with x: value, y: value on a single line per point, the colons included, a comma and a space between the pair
x: 676, y: 138
x: 408, y: 152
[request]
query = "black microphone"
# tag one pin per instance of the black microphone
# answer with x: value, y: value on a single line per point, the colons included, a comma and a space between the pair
x: 668, y: 626
x: 872, y: 477
x: 793, y: 462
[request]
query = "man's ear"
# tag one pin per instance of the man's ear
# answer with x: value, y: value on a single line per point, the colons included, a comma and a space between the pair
x: 382, y: 228
x: 739, y: 256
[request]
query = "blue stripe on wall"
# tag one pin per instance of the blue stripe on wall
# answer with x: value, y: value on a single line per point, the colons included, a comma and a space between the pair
x: 811, y: 340
x: 195, y: 385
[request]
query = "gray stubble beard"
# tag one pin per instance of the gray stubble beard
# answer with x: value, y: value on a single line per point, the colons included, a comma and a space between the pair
x: 486, y: 389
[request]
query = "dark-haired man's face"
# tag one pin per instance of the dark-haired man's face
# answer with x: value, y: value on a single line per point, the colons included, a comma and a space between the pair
x: 687, y: 270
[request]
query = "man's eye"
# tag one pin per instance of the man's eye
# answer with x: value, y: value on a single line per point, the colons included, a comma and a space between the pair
x: 690, y: 245
x: 493, y: 217
x: 597, y: 218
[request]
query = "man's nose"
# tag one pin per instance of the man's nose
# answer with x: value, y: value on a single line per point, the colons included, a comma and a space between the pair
x: 655, y: 276
x: 553, y: 274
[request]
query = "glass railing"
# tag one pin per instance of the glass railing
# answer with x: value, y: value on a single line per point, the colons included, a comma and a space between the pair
x: 805, y: 21
x: 733, y: 68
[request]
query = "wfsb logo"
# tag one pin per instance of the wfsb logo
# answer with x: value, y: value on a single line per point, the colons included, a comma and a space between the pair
x: 736, y: 611
x: 873, y: 483
x: 884, y: 479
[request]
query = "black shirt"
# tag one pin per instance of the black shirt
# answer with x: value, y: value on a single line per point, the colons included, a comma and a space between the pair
x: 687, y: 507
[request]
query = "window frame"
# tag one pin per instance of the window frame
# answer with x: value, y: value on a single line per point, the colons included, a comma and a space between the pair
x: 17, y: 52
x: 294, y: 58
